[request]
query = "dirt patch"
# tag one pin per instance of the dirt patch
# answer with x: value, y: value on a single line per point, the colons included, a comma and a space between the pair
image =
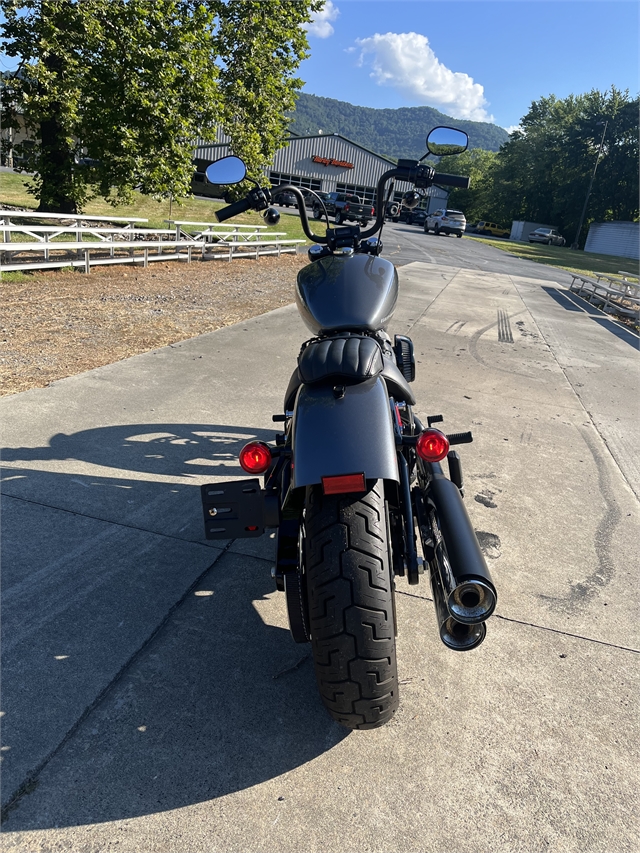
x: 59, y: 323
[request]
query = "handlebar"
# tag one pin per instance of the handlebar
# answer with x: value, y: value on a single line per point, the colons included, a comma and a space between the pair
x: 259, y: 199
x: 407, y: 170
x: 233, y: 209
x: 413, y: 173
x: 457, y: 181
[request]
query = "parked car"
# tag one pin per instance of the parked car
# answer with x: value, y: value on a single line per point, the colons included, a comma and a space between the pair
x: 310, y: 200
x: 491, y: 228
x: 416, y: 216
x: 286, y: 199
x: 446, y: 221
x: 551, y: 236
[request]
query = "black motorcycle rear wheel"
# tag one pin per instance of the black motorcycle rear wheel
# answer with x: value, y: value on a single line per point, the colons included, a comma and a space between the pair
x: 351, y: 613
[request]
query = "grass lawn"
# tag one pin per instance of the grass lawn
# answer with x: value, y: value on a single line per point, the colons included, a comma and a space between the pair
x: 13, y: 191
x: 583, y: 263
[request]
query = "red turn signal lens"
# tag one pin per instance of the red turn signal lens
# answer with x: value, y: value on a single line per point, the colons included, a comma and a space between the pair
x: 343, y: 484
x: 432, y: 445
x: 255, y: 457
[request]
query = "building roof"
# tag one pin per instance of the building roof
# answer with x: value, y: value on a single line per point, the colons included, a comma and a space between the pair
x: 294, y: 137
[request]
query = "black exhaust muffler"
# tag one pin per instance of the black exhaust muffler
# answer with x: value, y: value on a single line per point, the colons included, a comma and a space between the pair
x: 447, y: 532
x: 455, y: 635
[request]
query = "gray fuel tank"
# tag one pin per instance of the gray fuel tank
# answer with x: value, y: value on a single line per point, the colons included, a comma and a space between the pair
x: 336, y: 293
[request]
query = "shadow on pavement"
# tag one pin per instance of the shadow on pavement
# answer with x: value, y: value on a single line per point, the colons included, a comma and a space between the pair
x: 571, y: 302
x: 219, y: 699
x: 209, y: 709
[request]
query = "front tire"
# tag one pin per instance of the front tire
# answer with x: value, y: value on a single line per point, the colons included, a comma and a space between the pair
x: 351, y: 608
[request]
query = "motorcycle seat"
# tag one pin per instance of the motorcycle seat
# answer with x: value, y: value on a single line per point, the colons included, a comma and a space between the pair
x: 346, y: 359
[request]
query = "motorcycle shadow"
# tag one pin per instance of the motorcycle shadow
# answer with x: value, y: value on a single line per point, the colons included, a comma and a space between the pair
x: 220, y: 699
x: 141, y: 474
x: 220, y: 702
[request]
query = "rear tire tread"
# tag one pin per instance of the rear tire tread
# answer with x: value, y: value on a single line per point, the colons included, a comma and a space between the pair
x: 351, y: 607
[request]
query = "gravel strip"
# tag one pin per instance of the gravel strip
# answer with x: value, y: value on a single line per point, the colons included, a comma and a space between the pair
x: 59, y: 323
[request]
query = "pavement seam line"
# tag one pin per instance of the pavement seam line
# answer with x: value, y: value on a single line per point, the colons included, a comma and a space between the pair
x: 579, y: 399
x: 28, y: 785
x: 436, y: 297
x: 539, y: 627
x: 106, y: 520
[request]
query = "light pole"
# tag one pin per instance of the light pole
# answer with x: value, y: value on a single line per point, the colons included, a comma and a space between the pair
x: 574, y: 245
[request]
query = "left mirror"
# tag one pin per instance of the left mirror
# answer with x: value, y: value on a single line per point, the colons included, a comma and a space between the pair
x: 229, y: 170
x: 443, y: 141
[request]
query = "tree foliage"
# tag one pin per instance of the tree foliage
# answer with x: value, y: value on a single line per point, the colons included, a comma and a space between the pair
x: 543, y: 172
x: 127, y: 86
x: 479, y: 165
x: 261, y: 46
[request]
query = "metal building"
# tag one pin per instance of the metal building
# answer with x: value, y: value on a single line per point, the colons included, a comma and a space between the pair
x: 327, y: 162
x: 614, y: 238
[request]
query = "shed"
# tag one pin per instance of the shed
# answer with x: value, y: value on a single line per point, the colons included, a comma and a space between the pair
x: 614, y: 238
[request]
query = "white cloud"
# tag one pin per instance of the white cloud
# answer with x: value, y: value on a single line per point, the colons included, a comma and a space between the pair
x: 513, y: 127
x: 320, y: 24
x: 407, y: 63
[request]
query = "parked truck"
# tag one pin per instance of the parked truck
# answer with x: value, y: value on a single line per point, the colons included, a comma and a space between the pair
x: 344, y: 207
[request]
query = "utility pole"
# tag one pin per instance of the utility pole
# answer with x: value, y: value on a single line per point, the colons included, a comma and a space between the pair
x: 574, y: 245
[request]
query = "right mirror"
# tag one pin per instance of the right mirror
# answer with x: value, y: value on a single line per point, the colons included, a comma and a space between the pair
x: 443, y: 141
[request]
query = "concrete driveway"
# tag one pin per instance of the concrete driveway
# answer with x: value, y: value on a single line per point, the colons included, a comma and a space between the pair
x: 153, y: 698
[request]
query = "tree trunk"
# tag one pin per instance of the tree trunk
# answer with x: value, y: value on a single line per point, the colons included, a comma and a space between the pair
x: 57, y: 156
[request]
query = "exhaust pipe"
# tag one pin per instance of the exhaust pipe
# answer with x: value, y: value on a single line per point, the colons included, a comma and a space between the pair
x: 455, y: 635
x: 466, y: 583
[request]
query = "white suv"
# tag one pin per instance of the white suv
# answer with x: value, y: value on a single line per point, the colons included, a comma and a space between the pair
x: 446, y: 222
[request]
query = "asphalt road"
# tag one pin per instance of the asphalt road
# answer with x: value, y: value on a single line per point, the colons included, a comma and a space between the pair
x: 153, y: 698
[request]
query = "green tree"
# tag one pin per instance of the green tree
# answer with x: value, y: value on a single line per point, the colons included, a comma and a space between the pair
x: 260, y: 46
x: 128, y: 85
x: 543, y: 172
x: 479, y: 166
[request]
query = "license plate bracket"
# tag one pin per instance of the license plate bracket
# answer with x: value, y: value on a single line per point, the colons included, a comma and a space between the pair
x: 233, y: 509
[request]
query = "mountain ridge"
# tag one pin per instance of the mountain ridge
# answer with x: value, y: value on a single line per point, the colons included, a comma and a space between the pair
x: 393, y: 133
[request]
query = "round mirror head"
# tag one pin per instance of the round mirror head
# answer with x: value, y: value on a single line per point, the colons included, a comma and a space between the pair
x: 411, y: 199
x: 443, y: 141
x: 229, y: 170
x: 271, y: 216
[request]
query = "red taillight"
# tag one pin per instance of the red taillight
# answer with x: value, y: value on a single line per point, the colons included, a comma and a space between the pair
x: 432, y: 445
x: 346, y: 207
x: 255, y: 457
x: 344, y: 483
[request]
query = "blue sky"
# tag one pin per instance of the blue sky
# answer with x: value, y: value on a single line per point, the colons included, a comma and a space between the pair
x: 485, y: 60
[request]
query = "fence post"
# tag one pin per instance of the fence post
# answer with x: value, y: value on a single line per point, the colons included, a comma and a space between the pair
x: 87, y: 263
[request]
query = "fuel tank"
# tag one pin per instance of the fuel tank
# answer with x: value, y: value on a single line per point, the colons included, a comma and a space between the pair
x: 358, y: 292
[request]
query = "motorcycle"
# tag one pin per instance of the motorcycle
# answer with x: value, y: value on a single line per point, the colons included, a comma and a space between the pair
x: 355, y: 477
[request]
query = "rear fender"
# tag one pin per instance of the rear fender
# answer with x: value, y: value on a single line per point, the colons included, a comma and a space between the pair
x: 343, y: 435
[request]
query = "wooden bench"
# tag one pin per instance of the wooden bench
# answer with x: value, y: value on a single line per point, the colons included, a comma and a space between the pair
x: 627, y: 287
x: 208, y: 226
x: 608, y: 296
x: 253, y: 249
x: 84, y: 249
